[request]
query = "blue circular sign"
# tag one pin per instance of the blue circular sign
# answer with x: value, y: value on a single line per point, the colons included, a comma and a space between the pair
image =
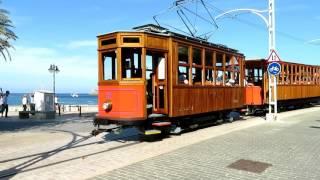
x: 274, y: 68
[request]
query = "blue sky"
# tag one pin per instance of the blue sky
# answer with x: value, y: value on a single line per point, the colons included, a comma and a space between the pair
x: 64, y: 33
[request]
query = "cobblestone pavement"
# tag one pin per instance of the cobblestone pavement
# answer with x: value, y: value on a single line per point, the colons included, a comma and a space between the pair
x: 290, y: 145
x: 63, y: 149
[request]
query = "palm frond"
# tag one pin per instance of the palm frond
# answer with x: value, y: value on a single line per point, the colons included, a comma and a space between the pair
x: 6, y: 34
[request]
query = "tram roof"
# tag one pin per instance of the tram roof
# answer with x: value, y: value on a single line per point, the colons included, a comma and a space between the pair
x: 158, y: 30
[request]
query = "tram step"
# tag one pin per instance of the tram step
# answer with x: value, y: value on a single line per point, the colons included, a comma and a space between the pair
x: 161, y: 124
x: 152, y: 132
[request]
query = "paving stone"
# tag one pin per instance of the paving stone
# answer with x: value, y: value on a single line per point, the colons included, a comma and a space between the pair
x: 291, y: 146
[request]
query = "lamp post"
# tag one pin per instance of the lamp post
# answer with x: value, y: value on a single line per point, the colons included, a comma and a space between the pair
x: 54, y: 69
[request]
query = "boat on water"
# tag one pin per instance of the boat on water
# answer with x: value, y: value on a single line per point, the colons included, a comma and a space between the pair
x: 74, y: 95
x: 94, y: 92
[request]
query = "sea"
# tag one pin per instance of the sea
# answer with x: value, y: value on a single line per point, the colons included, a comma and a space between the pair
x: 63, y: 98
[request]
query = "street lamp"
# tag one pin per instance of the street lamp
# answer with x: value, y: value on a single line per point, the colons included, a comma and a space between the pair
x: 54, y: 69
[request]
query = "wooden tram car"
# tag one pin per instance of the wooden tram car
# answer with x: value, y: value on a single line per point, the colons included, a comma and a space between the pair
x: 297, y: 84
x: 153, y: 78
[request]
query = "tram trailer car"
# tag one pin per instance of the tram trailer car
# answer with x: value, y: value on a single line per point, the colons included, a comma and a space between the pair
x: 298, y: 85
x: 153, y: 79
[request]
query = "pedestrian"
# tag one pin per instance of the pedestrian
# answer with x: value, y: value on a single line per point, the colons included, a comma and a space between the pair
x: 24, y: 102
x: 5, y: 103
x: 1, y: 104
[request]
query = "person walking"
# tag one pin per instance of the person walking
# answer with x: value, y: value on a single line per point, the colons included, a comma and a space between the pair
x: 1, y: 104
x: 5, y: 103
x: 24, y: 102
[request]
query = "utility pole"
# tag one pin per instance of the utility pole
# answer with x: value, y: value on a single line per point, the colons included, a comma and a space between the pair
x: 272, y: 85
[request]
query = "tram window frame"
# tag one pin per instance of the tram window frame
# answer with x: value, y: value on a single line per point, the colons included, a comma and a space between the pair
x: 112, y: 66
x: 315, y: 75
x: 286, y: 74
x: 312, y: 74
x: 232, y: 72
x: 209, y: 73
x: 129, y: 61
x: 303, y: 75
x: 282, y: 79
x: 196, y: 66
x: 318, y: 75
x: 110, y: 41
x: 219, y: 74
x: 294, y: 74
x: 183, y: 65
x: 219, y: 60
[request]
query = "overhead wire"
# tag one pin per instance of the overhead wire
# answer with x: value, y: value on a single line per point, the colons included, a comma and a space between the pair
x: 207, y: 5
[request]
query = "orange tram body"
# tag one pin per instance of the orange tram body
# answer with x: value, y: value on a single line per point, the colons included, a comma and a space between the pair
x: 153, y: 78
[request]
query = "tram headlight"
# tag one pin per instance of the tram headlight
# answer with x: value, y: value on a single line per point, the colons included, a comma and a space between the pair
x: 107, y: 106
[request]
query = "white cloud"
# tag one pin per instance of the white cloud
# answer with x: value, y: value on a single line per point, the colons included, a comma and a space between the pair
x: 314, y: 42
x: 81, y: 44
x: 29, y: 70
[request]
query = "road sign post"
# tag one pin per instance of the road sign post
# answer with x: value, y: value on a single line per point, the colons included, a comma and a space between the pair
x: 274, y: 69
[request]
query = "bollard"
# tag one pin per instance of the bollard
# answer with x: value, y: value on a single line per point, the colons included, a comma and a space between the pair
x: 80, y: 111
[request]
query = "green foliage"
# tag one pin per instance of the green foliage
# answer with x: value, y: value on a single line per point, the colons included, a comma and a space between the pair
x: 6, y: 34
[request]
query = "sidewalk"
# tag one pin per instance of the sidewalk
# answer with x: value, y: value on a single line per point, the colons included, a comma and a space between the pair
x: 287, y: 149
x: 64, y: 149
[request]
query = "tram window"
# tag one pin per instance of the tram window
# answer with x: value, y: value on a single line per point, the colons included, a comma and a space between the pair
x: 219, y: 79
x: 231, y: 78
x: 197, y: 76
x: 208, y: 58
x: 109, y: 65
x: 162, y: 69
x: 131, y: 63
x: 219, y: 60
x: 196, y: 56
x: 228, y: 61
x: 149, y: 67
x: 183, y: 55
x: 108, y: 42
x: 209, y: 76
x: 183, y: 75
x: 131, y: 40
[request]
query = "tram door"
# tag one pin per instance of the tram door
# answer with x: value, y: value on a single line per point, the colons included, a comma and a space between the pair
x: 156, y: 76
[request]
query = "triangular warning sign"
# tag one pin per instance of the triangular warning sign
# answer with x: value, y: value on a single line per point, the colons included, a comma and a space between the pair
x: 273, y: 57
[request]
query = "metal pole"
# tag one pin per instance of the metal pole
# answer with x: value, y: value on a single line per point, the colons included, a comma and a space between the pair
x: 54, y: 88
x: 272, y: 79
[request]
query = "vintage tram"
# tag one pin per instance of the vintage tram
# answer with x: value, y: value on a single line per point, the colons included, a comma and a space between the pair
x: 157, y: 80
x: 153, y: 78
x: 298, y: 84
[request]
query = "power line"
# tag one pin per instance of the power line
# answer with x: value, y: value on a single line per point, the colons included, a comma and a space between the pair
x: 180, y: 6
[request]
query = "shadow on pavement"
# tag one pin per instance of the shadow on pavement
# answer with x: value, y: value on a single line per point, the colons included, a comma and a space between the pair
x: 13, y: 123
x: 38, y: 157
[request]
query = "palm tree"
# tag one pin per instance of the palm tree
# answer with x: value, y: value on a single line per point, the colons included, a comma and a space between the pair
x: 6, y: 34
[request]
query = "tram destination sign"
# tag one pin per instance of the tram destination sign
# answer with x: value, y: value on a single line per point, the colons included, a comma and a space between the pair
x: 274, y: 68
